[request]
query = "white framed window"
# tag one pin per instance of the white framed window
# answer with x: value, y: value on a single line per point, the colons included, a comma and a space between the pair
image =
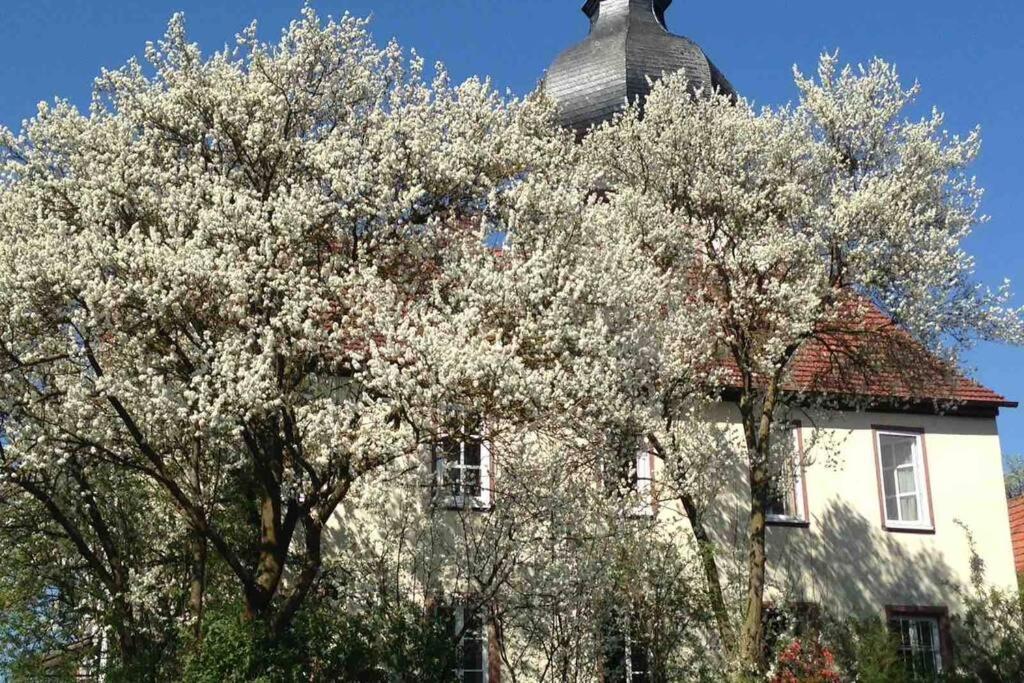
x: 628, y: 475
x: 919, y: 642
x: 788, y: 504
x: 642, y: 482
x: 628, y: 657
x: 473, y: 646
x: 904, y: 489
x: 638, y: 661
x: 462, y: 469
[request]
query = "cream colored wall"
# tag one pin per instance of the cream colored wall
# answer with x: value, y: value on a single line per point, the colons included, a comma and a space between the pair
x: 845, y: 559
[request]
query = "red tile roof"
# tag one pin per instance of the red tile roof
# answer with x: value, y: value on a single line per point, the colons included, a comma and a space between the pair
x: 1017, y: 531
x: 867, y: 355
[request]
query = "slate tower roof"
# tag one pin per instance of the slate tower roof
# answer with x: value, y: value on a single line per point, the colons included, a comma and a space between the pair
x: 628, y: 43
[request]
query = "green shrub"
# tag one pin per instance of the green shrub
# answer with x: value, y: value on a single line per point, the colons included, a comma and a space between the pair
x: 323, y: 645
x: 989, y: 631
x: 989, y: 637
x: 874, y: 653
x: 807, y: 643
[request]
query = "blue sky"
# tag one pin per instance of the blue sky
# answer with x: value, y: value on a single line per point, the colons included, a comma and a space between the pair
x: 967, y: 56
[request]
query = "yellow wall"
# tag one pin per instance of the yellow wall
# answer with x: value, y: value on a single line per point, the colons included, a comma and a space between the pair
x: 846, y: 559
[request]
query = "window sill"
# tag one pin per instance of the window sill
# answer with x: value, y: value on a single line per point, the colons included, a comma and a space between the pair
x: 790, y: 522
x: 450, y: 505
x: 900, y: 529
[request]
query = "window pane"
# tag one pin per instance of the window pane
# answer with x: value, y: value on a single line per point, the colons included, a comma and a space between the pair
x: 906, y: 480
x: 472, y: 454
x: 472, y: 624
x: 908, y: 509
x: 888, y: 461
x: 922, y: 634
x: 903, y: 627
x: 643, y: 467
x: 777, y: 505
x: 919, y: 646
x: 889, y: 482
x: 471, y: 647
x: 901, y: 447
x: 892, y: 509
x: 471, y: 481
x: 450, y: 449
x: 639, y: 665
x: 783, y: 502
x: 472, y: 655
x: 898, y: 455
x: 453, y: 475
x: 897, y: 449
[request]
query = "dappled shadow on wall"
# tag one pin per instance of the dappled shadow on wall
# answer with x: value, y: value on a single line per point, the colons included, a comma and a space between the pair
x: 846, y: 562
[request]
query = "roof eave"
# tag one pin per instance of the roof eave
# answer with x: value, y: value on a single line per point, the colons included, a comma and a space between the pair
x: 895, y: 404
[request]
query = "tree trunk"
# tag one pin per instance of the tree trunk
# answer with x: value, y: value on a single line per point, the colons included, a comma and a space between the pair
x: 752, y: 644
x: 197, y: 587
x: 707, y: 558
x: 313, y: 531
x: 274, y: 532
x: 130, y: 643
x: 757, y: 430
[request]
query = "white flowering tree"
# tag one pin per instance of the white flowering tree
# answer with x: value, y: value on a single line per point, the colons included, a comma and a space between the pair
x: 246, y: 292
x: 788, y: 227
x: 221, y: 277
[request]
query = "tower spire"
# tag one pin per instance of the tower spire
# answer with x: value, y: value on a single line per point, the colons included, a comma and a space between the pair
x: 627, y: 48
x: 594, y: 8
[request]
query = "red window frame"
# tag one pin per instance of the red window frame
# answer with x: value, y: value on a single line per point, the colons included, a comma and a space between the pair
x: 940, y: 614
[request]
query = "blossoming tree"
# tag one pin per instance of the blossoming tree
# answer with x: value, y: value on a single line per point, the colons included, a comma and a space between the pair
x: 213, y: 280
x: 786, y: 229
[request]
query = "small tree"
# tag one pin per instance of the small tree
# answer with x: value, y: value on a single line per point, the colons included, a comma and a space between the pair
x: 1014, y: 477
x: 93, y: 564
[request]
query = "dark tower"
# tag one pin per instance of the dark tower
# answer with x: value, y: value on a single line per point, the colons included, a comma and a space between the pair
x: 628, y: 43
